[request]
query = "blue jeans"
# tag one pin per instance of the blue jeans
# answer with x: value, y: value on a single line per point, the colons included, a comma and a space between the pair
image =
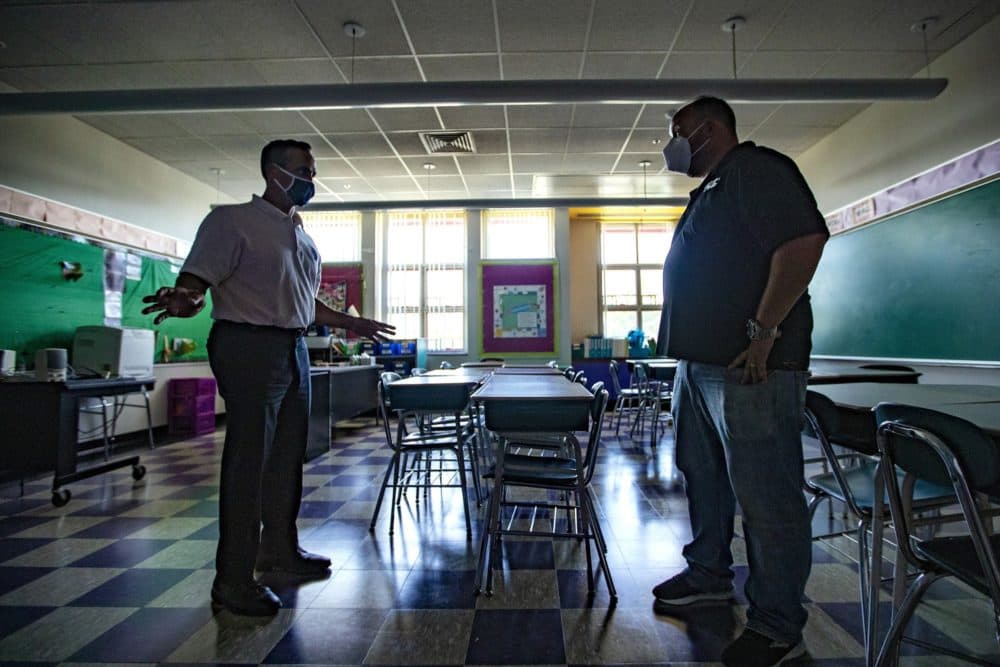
x: 742, y: 443
x: 263, y: 375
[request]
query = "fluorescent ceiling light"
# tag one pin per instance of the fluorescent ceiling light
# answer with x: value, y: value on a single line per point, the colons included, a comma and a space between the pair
x: 457, y: 93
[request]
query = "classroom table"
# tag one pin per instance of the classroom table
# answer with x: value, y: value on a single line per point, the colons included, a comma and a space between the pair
x: 979, y: 404
x: 525, y: 403
x: 527, y: 370
x: 824, y: 372
x: 40, y: 421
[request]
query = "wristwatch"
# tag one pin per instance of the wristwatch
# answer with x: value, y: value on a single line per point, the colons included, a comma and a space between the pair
x: 757, y: 331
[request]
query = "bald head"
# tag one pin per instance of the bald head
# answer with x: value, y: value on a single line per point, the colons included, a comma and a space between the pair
x: 709, y: 125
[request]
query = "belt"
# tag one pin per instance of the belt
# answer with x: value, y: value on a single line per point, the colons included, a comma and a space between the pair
x: 297, y: 332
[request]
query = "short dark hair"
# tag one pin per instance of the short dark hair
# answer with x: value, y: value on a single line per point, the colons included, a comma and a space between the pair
x: 715, y: 109
x: 276, y: 151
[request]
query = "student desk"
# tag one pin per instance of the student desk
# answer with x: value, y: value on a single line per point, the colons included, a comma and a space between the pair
x: 979, y: 404
x: 826, y: 373
x: 39, y: 421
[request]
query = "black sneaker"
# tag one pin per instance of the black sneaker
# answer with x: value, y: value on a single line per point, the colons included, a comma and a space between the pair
x: 752, y: 649
x: 679, y: 590
x: 251, y: 599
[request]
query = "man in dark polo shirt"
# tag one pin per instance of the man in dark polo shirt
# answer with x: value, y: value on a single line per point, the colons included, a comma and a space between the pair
x: 736, y: 314
x: 264, y: 273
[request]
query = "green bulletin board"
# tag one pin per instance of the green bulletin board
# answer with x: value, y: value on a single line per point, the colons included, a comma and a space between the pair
x: 42, y: 309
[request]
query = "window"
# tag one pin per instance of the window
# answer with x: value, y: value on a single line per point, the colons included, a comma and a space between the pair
x: 632, y: 257
x: 425, y: 255
x: 337, y: 234
x: 518, y: 233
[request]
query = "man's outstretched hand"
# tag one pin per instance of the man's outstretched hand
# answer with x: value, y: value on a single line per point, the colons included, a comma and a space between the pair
x: 174, y: 302
x: 372, y: 329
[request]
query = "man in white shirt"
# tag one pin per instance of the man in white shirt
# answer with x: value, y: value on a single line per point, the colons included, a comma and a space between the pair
x: 264, y: 272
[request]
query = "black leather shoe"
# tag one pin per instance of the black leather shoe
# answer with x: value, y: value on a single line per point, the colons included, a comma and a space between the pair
x: 302, y: 562
x: 246, y: 599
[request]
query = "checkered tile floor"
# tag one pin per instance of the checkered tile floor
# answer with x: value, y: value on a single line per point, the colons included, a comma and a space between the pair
x: 121, y: 575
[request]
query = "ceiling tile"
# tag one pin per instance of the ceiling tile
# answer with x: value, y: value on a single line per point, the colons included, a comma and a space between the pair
x: 787, y: 139
x: 490, y: 142
x: 702, y: 31
x: 444, y: 165
x: 605, y: 115
x: 528, y: 25
x: 548, y: 140
x: 702, y: 65
x: 520, y: 66
x: 216, y: 123
x: 406, y: 143
x: 482, y: 184
x: 784, y: 64
x: 587, y: 163
x: 135, y: 125
x: 397, y: 185
x: 360, y: 144
x: 864, y: 64
x: 622, y: 65
x: 596, y: 140
x: 170, y: 149
x: 340, y: 120
x: 232, y: 172
x: 641, y: 141
x: 829, y: 115
x: 438, y: 185
x: 533, y: 164
x: 449, y: 26
x: 414, y: 118
x: 636, y: 24
x: 300, y: 71
x: 380, y: 70
x: 270, y: 123
x: 334, y: 168
x: 379, y: 167
x: 483, y: 164
x: 471, y: 118
x: 529, y: 116
x: 461, y: 67
x: 383, y: 35
x: 238, y: 146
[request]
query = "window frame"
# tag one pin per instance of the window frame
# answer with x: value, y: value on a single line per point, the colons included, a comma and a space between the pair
x: 639, y: 307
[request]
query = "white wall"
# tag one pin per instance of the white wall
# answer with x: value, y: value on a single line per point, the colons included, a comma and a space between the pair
x: 892, y: 141
x: 61, y: 158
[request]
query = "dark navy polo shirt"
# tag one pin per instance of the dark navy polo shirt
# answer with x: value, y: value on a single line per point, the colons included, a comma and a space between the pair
x: 754, y: 201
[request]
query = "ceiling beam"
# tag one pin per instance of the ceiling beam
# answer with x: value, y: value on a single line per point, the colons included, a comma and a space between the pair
x: 520, y: 202
x: 459, y: 93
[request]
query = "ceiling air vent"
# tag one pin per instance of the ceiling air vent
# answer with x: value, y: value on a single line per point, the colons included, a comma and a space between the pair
x: 448, y: 142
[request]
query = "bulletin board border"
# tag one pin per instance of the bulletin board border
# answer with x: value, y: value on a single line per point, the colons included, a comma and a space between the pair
x: 498, y: 273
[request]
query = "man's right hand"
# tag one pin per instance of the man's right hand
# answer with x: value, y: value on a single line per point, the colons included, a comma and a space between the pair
x: 174, y: 302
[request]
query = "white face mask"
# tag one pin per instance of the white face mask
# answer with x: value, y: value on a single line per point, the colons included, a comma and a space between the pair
x: 677, y: 153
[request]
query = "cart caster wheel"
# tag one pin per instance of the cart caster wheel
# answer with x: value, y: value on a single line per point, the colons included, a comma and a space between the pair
x: 138, y: 472
x: 61, y: 497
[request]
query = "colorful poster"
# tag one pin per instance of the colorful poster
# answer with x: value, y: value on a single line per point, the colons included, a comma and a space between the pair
x: 519, y: 311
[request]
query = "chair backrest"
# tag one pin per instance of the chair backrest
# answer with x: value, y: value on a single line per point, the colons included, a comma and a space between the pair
x: 569, y: 372
x: 497, y: 359
x: 615, y: 382
x: 597, y: 408
x: 822, y: 419
x: 553, y: 364
x: 640, y: 379
x: 446, y: 365
x: 577, y: 376
x: 383, y: 407
x: 941, y: 448
x: 418, y: 371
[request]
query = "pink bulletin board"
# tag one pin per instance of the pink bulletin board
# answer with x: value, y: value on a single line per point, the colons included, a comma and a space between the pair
x: 519, y: 307
x: 341, y: 286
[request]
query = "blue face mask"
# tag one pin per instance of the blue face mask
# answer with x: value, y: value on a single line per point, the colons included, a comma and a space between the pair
x: 300, y: 191
x: 677, y: 153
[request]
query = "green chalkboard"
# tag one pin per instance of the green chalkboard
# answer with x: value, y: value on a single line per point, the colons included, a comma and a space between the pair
x: 924, y: 284
x: 42, y: 308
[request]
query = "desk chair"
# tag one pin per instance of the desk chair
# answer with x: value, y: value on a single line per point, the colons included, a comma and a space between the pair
x: 411, y: 465
x: 627, y: 399
x: 854, y: 486
x: 653, y: 395
x: 569, y: 476
x: 940, y: 449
